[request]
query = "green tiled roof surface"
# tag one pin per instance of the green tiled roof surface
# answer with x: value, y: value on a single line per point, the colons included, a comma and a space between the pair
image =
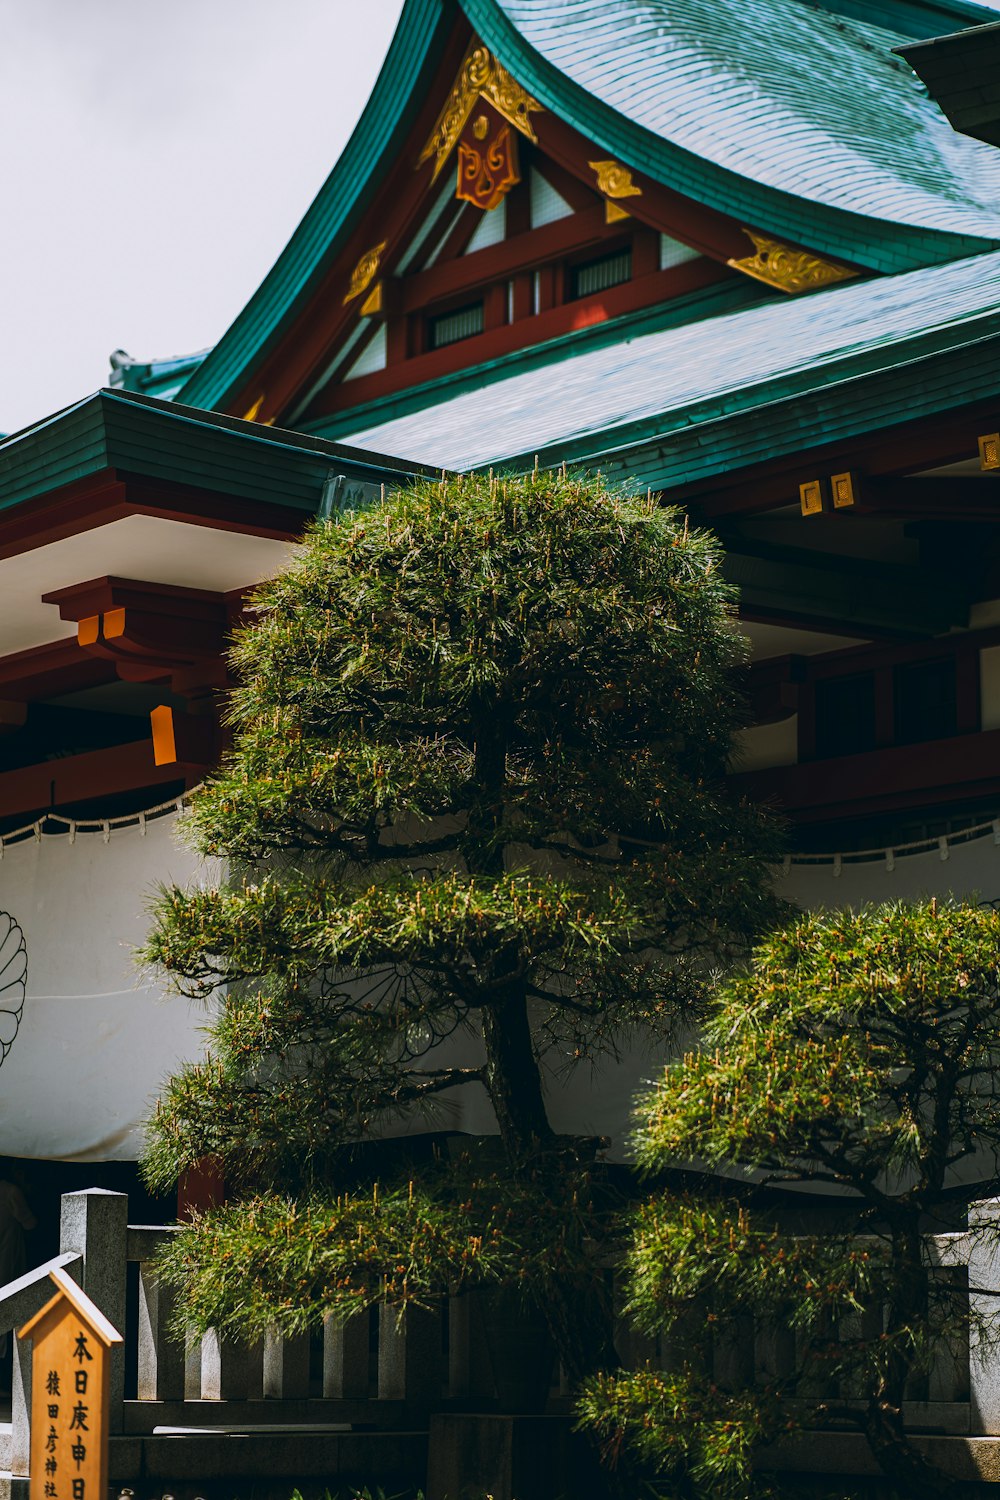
x: 674, y: 381
x: 781, y: 93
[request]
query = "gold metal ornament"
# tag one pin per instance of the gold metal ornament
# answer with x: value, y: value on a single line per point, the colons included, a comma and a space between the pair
x: 792, y: 271
x: 375, y: 301
x: 614, y: 180
x: 364, y: 272
x: 989, y: 451
x: 479, y: 127
x: 844, y: 489
x: 479, y: 77
x: 811, y: 497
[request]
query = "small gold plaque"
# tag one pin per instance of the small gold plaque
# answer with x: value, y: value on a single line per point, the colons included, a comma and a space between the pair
x: 989, y: 451
x: 844, y: 491
x: 811, y: 497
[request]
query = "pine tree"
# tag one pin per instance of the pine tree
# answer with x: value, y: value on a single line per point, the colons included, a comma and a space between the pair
x: 860, y: 1053
x: 477, y: 829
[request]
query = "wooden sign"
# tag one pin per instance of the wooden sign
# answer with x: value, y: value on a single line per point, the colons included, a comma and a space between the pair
x: 70, y: 1388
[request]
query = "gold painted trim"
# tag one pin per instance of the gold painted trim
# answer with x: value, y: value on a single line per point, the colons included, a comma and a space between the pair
x: 613, y: 212
x: 789, y: 270
x: 614, y: 180
x: 479, y: 77
x: 250, y: 415
x: 373, y: 302
x: 364, y: 272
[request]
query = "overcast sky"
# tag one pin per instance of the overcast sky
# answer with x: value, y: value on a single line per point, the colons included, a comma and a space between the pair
x: 155, y: 155
x: 154, y: 158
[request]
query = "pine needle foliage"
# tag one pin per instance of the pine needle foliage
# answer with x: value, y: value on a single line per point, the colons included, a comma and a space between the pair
x: 478, y: 830
x: 859, y: 1051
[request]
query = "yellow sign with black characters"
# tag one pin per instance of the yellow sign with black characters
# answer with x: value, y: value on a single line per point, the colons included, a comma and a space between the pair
x: 70, y: 1395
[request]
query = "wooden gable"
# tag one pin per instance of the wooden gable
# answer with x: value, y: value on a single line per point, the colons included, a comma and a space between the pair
x: 498, y: 226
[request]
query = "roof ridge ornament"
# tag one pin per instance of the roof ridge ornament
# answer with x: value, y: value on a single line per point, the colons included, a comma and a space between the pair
x: 788, y: 269
x: 481, y: 76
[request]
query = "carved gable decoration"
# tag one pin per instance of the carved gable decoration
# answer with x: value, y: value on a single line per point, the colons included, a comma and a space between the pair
x: 485, y: 108
x: 487, y: 158
x: 788, y: 269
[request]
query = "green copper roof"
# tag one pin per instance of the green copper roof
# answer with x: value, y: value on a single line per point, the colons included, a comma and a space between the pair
x: 773, y: 110
x: 160, y: 440
x: 793, y: 117
x: 710, y: 396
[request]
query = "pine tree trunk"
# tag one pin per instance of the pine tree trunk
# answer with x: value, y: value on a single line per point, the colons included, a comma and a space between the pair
x: 513, y: 1081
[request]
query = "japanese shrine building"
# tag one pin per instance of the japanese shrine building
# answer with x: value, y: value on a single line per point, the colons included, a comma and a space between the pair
x: 731, y: 250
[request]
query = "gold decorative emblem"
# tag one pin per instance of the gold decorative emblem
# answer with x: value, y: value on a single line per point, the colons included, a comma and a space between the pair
x: 789, y: 270
x: 614, y: 180
x: 479, y: 77
x: 844, y: 489
x: 487, y: 169
x: 989, y: 451
x: 364, y: 272
x: 479, y: 127
x: 811, y: 497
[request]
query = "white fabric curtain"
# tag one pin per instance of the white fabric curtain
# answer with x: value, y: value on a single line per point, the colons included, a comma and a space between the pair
x: 96, y: 1038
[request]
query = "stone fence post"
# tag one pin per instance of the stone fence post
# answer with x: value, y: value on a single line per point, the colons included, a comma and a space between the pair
x: 983, y: 1254
x: 94, y: 1225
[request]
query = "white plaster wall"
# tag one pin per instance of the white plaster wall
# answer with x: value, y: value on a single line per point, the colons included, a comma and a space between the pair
x: 971, y: 872
x: 767, y: 745
x: 96, y: 1038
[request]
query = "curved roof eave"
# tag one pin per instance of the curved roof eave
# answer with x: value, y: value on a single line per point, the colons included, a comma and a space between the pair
x: 879, y: 244
x: 922, y: 19
x: 366, y: 155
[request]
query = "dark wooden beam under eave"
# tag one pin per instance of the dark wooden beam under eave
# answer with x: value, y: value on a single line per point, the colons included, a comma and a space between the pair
x: 51, y: 670
x: 932, y: 773
x: 896, y: 452
x: 962, y: 497
x: 98, y: 775
x: 962, y: 74
x: 843, y: 594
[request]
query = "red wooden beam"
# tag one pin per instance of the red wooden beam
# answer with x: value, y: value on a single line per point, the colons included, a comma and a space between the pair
x: 961, y: 768
x: 704, y: 229
x: 557, y: 321
x: 521, y: 252
x: 50, y: 671
x: 76, y: 779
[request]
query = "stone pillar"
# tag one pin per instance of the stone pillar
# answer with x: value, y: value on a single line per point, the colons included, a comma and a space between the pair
x: 409, y: 1356
x: 286, y: 1366
x: 984, y: 1309
x: 20, y: 1403
x: 161, y: 1358
x: 231, y: 1369
x: 345, y: 1358
x: 94, y: 1225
